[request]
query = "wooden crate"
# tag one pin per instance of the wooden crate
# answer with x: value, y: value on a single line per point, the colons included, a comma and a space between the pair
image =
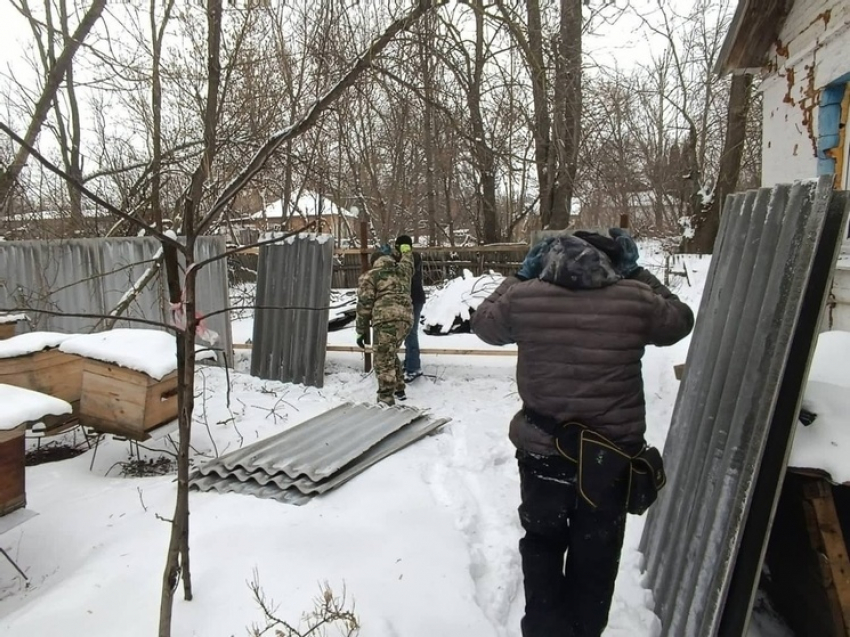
x: 122, y: 401
x: 807, y: 559
x: 50, y: 372
x: 12, y: 471
x: 7, y: 330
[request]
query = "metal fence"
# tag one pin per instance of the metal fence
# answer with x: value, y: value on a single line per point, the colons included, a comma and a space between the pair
x: 292, y: 310
x: 737, y: 405
x: 440, y: 264
x: 52, y: 280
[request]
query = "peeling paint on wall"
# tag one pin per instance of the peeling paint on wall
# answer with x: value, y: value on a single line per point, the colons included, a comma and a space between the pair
x: 826, y: 16
x: 789, y: 80
x: 808, y: 103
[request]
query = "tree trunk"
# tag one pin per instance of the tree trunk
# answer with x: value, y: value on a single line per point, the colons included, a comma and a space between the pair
x: 426, y: 57
x: 706, y: 221
x: 48, y: 95
x: 484, y: 156
x: 568, y: 103
x: 542, y: 122
x: 177, y: 560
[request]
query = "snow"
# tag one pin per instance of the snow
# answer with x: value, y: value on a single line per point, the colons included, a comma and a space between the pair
x: 457, y: 298
x: 151, y: 352
x: 30, y: 343
x: 825, y: 444
x: 309, y: 205
x: 423, y: 543
x: 12, y: 318
x: 688, y: 230
x: 24, y: 405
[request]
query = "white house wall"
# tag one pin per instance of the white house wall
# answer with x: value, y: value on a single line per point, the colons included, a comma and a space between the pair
x: 813, y: 50
x: 787, y: 151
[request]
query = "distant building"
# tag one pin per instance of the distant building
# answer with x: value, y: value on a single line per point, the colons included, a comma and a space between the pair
x: 330, y: 218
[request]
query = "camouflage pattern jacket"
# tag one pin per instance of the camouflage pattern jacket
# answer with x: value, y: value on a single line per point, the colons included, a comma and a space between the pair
x: 383, y: 293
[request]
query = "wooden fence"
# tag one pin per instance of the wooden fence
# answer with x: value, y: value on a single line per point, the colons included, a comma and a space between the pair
x: 440, y: 264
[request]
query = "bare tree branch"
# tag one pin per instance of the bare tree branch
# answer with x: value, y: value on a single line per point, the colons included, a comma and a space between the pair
x: 164, y: 238
x: 364, y: 61
x: 48, y: 95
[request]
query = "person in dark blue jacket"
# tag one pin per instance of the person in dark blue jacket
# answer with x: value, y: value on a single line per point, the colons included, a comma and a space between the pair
x: 412, y: 360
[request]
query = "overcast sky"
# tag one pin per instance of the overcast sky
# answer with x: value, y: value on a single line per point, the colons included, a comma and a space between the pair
x: 624, y: 43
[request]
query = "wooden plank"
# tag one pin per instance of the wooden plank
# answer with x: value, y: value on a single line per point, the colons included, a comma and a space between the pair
x: 825, y: 530
x: 12, y: 434
x: 427, y: 350
x: 7, y: 330
x: 112, y: 399
x: 505, y: 247
x: 12, y: 470
x: 50, y: 372
x: 796, y: 583
x: 161, y: 402
x: 126, y: 402
x: 111, y: 370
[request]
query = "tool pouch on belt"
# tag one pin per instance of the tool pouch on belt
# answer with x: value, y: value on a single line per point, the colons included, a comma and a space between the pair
x: 604, y: 468
x: 646, y: 480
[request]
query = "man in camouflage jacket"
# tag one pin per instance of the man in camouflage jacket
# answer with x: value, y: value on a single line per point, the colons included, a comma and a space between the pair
x: 383, y: 299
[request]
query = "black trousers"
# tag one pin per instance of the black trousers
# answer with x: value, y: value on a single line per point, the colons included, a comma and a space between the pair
x: 570, y: 552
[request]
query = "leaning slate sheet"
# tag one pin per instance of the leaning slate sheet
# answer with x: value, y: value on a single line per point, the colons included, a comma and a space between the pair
x: 761, y: 305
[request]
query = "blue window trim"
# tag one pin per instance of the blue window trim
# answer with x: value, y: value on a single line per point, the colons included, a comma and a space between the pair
x: 829, y: 122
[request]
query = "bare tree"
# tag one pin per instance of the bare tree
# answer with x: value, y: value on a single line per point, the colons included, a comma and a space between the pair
x: 706, y: 220
x: 55, y: 76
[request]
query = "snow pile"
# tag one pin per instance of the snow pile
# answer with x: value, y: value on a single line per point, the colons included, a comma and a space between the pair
x: 151, y: 352
x: 5, y: 318
x: 24, y: 405
x: 343, y: 308
x: 450, y: 307
x: 30, y: 343
x: 825, y: 444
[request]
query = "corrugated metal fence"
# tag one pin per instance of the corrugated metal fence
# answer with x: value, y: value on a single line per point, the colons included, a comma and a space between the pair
x: 90, y: 276
x: 292, y: 308
x: 738, y: 401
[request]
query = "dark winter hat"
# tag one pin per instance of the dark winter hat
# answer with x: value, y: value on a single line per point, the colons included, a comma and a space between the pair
x: 601, y: 242
x: 403, y: 240
x: 573, y: 263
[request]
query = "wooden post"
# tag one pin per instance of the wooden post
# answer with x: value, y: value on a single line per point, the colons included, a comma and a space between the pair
x: 364, y: 266
x: 624, y: 220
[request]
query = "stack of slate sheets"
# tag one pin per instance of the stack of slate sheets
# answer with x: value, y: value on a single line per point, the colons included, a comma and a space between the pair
x: 317, y: 455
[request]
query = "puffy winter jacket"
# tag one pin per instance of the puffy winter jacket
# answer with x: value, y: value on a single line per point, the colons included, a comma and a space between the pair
x: 383, y: 293
x: 580, y: 350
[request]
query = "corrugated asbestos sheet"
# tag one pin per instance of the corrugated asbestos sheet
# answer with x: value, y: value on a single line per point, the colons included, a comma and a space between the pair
x: 739, y: 398
x: 316, y: 455
x: 291, y: 317
x: 90, y: 276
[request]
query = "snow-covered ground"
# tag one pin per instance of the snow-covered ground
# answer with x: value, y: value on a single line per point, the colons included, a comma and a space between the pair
x: 424, y: 542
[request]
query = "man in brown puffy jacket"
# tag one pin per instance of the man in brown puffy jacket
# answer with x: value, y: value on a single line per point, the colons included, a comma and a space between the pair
x: 581, y: 312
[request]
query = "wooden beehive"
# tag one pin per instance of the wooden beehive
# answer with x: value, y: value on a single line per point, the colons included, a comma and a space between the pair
x: 126, y: 402
x: 12, y: 473
x: 50, y: 372
x: 7, y: 330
